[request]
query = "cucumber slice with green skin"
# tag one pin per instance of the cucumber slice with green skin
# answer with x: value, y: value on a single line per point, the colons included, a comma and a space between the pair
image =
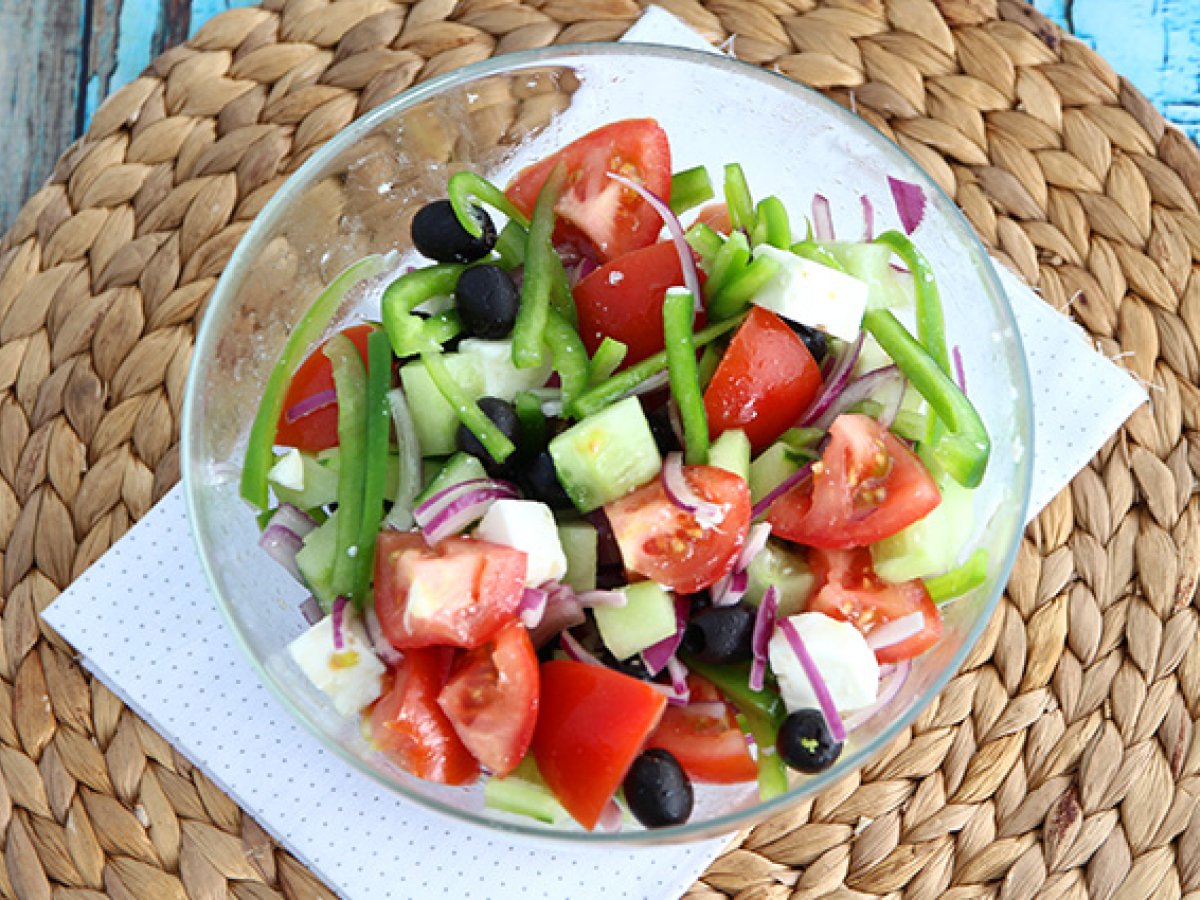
x: 772, y: 468
x: 302, y: 480
x: 731, y: 452
x: 434, y: 419
x: 581, y: 546
x: 524, y: 793
x: 315, y: 560
x: 933, y: 544
x: 871, y: 263
x: 647, y: 617
x: 787, y: 571
x: 606, y: 455
x: 331, y: 461
x: 458, y: 468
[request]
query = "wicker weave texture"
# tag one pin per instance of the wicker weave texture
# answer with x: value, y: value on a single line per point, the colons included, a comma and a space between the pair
x: 1059, y: 762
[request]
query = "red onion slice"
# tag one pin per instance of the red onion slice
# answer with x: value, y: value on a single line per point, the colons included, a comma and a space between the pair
x: 677, y: 692
x: 730, y: 588
x: 282, y: 546
x: 576, y: 651
x: 460, y: 512
x: 429, y: 507
x: 889, y: 687
x: 655, y: 382
x: 656, y: 656
x: 680, y: 493
x: 896, y: 631
x: 835, y: 383
x: 379, y: 643
x: 310, y: 404
x: 311, y: 610
x: 611, y: 817
x: 294, y: 519
x: 868, y: 209
x: 532, y: 607
x: 910, y: 203
x: 602, y: 598
x: 339, y: 621
x: 822, y: 218
x: 756, y: 542
x: 562, y: 612
x: 775, y: 493
x: 764, y: 626
x: 888, y: 381
x: 833, y: 719
x: 691, y: 277
x: 959, y: 372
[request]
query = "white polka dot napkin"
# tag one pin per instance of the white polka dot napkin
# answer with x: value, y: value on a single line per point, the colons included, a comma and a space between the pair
x: 144, y: 624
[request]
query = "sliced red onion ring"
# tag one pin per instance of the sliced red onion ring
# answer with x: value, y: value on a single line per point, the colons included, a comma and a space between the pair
x: 582, y: 269
x: 311, y: 610
x: 822, y: 218
x: 532, y: 607
x: 339, y: 620
x: 730, y: 588
x: 896, y: 631
x: 756, y: 542
x: 959, y: 372
x: 687, y: 262
x: 294, y: 519
x: 833, y: 719
x: 676, y: 421
x: 835, y: 383
x: 576, y: 651
x: 562, y: 612
x: 775, y: 493
x: 764, y: 625
x: 910, y: 203
x: 655, y: 382
x: 282, y: 545
x: 870, y: 386
x: 868, y: 209
x: 310, y: 404
x: 679, y: 492
x: 611, y: 817
x: 456, y: 515
x: 428, y: 507
x: 889, y: 687
x: 656, y: 656
x: 602, y: 598
x: 379, y: 643
x: 677, y: 692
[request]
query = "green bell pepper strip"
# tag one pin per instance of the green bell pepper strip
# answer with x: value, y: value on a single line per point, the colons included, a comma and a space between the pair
x: 466, y: 187
x: 568, y: 356
x: 350, y: 382
x: 510, y: 246
x: 408, y: 332
x: 931, y: 321
x: 689, y: 189
x: 810, y: 249
x: 494, y: 440
x: 609, y: 355
x: 737, y: 198
x: 772, y: 225
x: 259, y: 456
x: 679, y: 309
x: 619, y: 385
x: 531, y: 419
x: 705, y: 241
x: 761, y: 713
x: 378, y: 433
x: 963, y: 450
x: 528, y: 335
x: 737, y: 292
x: 732, y: 259
x: 957, y: 582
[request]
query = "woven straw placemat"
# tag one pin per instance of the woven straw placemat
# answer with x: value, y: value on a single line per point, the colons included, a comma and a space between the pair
x: 1060, y: 762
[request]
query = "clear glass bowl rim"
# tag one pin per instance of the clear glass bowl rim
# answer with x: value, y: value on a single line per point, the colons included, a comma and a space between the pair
x: 565, y: 55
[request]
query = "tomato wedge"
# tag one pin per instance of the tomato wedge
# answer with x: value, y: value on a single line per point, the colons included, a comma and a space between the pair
x: 316, y: 430
x: 866, y: 486
x: 765, y: 381
x: 592, y: 725
x: 407, y: 724
x: 663, y: 542
x: 491, y: 699
x: 611, y: 218
x: 459, y: 593
x: 849, y: 589
x: 705, y: 738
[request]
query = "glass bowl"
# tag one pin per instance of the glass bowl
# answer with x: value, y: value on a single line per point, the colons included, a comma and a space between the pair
x: 356, y: 195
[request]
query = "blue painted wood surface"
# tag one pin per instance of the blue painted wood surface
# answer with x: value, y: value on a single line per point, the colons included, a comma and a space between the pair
x: 60, y: 58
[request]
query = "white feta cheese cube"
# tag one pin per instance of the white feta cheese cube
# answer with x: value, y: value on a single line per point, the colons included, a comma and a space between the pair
x: 351, y: 676
x: 813, y: 294
x: 846, y: 662
x: 500, y: 377
x: 528, y: 526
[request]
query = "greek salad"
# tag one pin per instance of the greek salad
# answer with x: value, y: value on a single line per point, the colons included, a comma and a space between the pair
x: 628, y: 488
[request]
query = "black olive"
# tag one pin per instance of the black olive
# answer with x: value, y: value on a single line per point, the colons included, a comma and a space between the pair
x: 634, y: 667
x: 436, y: 233
x: 502, y: 413
x: 546, y: 652
x: 660, y: 426
x: 487, y: 301
x: 721, y: 634
x: 804, y: 742
x: 657, y: 790
x: 814, y: 339
x: 540, y: 482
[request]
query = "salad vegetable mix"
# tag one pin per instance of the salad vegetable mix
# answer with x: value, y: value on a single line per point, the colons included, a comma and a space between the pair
x: 628, y: 488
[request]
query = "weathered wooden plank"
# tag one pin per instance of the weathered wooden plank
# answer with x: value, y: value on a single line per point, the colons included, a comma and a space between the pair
x: 41, y: 49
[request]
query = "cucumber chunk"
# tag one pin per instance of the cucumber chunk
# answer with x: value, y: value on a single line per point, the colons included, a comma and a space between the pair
x: 434, y: 419
x: 772, y: 468
x: 315, y: 560
x: 524, y: 793
x: 303, y: 480
x: 606, y: 455
x: 871, y: 263
x: 731, y: 452
x: 931, y: 545
x: 581, y: 546
x: 458, y: 468
x: 787, y: 571
x: 647, y: 617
